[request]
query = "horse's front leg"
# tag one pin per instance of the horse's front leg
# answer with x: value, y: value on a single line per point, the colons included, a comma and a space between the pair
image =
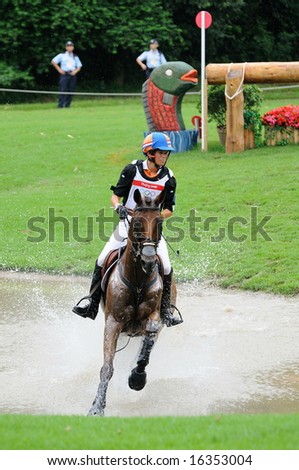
x: 137, y: 379
x: 111, y: 334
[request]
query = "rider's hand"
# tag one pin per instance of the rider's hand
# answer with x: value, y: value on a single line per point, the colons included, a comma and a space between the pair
x: 122, y: 211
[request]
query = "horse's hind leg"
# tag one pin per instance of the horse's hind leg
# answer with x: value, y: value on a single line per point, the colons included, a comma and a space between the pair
x: 137, y: 379
x: 111, y: 333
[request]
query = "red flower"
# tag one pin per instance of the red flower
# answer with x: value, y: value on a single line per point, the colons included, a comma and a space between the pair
x: 286, y: 116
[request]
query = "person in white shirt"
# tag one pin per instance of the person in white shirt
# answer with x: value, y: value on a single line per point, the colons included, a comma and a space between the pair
x: 151, y: 59
x: 67, y: 65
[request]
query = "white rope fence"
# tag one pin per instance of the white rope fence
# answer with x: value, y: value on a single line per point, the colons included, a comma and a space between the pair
x: 15, y: 90
x: 279, y: 87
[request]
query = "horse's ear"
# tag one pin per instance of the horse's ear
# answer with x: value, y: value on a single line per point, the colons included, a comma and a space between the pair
x: 137, y: 197
x: 160, y: 198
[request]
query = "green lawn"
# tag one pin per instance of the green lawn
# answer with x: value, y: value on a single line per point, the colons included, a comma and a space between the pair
x: 236, y: 218
x: 210, y: 432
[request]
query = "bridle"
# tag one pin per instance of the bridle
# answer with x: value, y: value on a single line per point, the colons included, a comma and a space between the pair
x: 144, y: 252
x: 146, y: 247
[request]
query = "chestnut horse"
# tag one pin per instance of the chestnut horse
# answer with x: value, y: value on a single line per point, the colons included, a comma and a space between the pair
x: 133, y: 296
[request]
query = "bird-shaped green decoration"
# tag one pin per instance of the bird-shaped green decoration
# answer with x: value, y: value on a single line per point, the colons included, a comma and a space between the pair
x: 162, y: 95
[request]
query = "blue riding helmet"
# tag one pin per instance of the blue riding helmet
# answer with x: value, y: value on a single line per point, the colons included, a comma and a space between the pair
x: 156, y: 141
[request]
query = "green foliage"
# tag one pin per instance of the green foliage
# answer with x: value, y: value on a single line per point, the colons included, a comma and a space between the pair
x: 217, y: 104
x: 12, y: 76
x: 109, y: 35
x: 252, y: 105
x: 252, y: 112
x: 252, y: 97
x: 35, y: 33
x: 252, y: 121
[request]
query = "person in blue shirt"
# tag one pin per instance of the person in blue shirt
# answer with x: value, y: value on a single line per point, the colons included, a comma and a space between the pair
x: 151, y: 59
x: 67, y: 65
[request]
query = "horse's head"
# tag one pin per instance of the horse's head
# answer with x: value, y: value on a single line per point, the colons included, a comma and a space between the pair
x: 146, y: 229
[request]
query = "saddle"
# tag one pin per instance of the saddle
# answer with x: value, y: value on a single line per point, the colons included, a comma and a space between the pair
x: 110, y: 261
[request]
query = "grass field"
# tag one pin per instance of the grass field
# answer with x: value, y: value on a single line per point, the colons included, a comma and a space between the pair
x: 236, y: 222
x: 210, y: 432
x: 236, y: 217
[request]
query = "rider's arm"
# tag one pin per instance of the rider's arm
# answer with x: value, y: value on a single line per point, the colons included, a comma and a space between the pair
x: 115, y: 200
x: 169, y: 201
x: 123, y: 186
x: 165, y: 213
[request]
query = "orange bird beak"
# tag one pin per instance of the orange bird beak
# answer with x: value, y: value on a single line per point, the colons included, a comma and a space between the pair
x: 190, y: 76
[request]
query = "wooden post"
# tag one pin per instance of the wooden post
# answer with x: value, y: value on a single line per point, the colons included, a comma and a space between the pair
x: 234, y: 110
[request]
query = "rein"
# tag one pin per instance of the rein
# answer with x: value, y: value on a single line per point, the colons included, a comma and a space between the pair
x: 138, y: 290
x: 140, y: 248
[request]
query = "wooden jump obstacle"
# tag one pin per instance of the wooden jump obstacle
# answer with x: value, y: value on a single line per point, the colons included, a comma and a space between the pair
x: 234, y: 76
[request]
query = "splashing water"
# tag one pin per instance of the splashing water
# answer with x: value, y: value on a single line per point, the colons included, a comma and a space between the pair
x: 235, y: 352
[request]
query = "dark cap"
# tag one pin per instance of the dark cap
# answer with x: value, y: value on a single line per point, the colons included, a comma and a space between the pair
x: 154, y: 41
x: 69, y: 43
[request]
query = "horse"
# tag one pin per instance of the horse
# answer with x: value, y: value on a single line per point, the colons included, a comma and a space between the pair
x: 133, y: 296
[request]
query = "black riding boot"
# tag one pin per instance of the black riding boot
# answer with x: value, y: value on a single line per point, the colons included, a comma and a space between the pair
x: 90, y: 309
x: 166, y: 308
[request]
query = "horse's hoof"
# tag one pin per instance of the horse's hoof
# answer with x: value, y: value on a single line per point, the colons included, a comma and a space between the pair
x: 137, y: 380
x: 95, y: 411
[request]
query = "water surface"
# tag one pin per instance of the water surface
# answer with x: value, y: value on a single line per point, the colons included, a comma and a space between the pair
x: 236, y: 352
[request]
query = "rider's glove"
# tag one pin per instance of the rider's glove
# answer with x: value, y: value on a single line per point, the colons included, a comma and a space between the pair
x: 122, y: 211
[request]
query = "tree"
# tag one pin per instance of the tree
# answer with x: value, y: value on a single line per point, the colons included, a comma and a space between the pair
x: 110, y: 34
x: 33, y: 32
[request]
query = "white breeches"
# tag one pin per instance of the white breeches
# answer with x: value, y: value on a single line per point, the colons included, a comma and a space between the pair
x: 119, y: 239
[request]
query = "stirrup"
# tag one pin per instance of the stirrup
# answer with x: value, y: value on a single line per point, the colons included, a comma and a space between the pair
x: 85, y: 311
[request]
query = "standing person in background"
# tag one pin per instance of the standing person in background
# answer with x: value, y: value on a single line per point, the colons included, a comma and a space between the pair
x: 151, y: 59
x: 67, y: 65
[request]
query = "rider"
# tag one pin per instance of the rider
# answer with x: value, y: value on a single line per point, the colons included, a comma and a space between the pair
x: 151, y: 177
